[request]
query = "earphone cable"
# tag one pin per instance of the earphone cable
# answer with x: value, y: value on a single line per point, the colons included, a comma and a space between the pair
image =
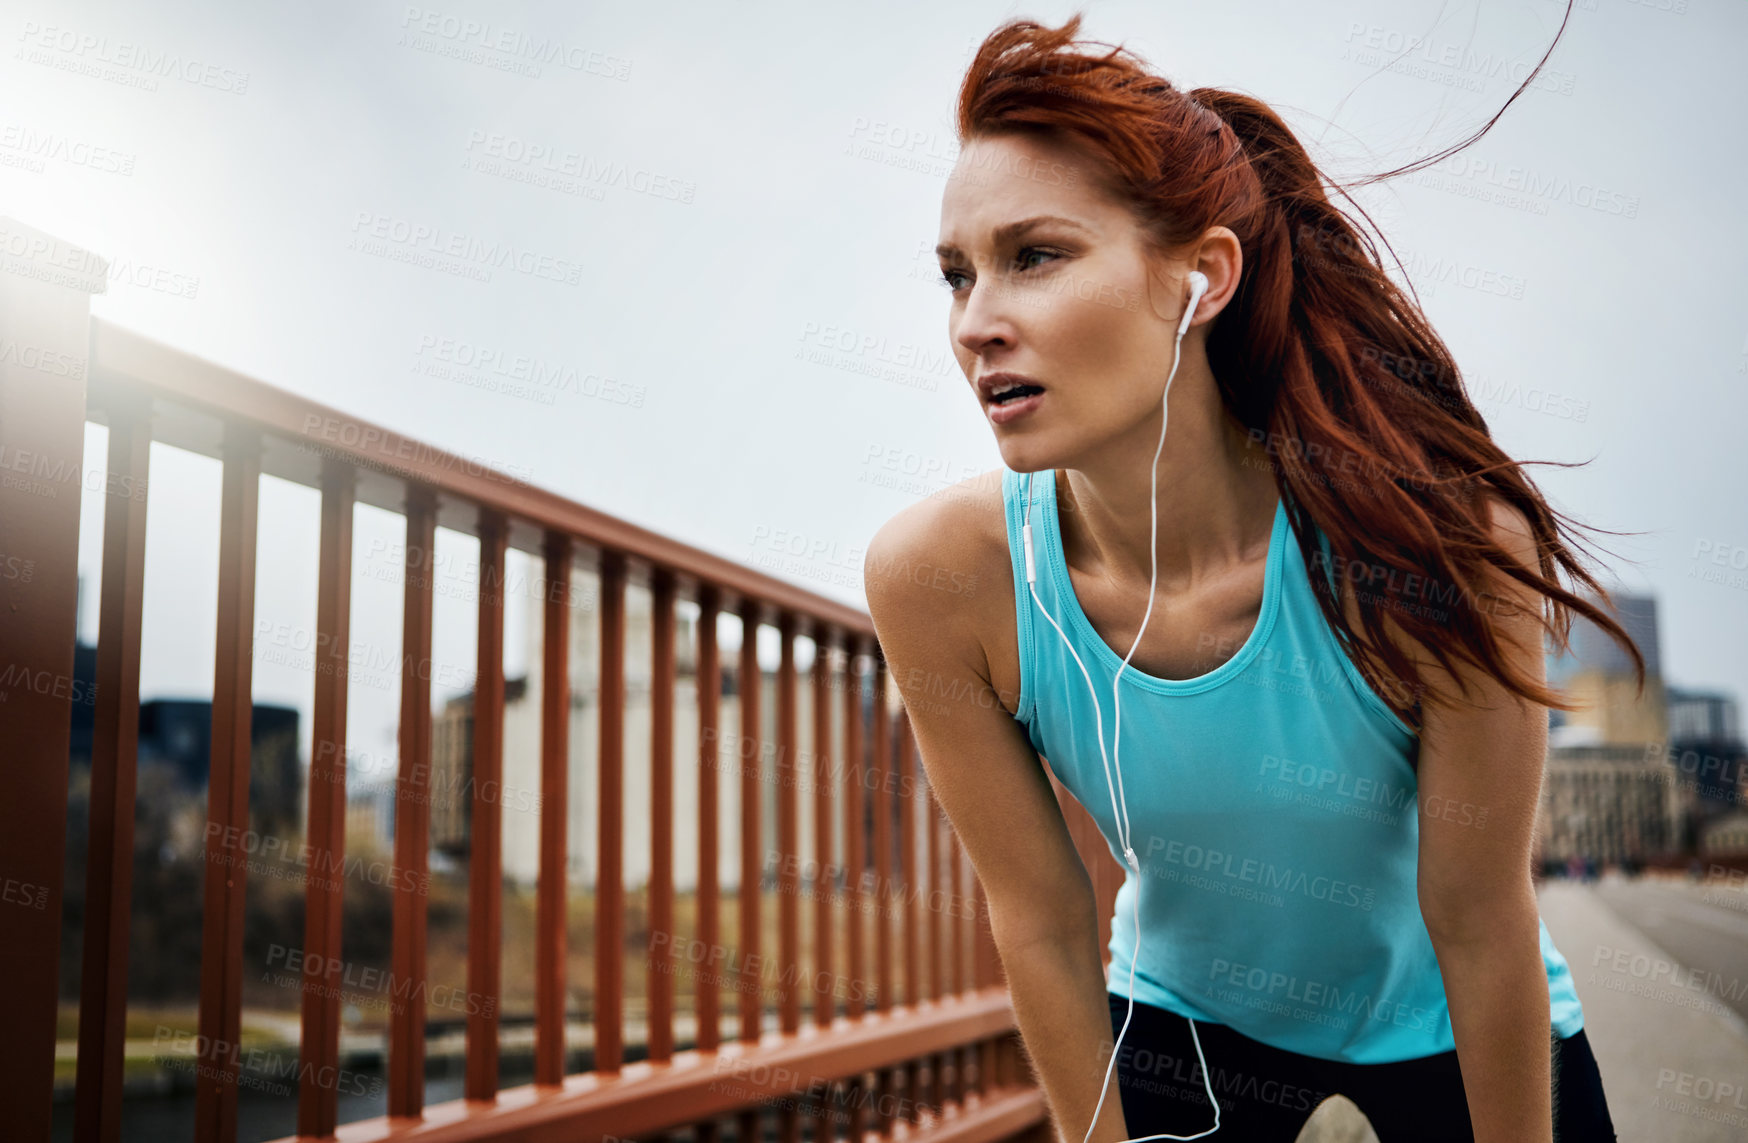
x: 1119, y: 801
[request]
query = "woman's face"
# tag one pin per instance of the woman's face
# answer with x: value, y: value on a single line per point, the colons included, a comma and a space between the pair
x: 1051, y: 281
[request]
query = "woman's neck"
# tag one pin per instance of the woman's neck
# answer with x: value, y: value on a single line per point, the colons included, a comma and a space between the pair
x: 1216, y: 501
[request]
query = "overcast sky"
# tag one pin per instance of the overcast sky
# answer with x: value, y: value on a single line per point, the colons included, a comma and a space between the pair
x: 721, y: 187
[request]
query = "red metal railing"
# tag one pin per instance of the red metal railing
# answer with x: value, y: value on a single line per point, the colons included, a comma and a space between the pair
x: 951, y: 1046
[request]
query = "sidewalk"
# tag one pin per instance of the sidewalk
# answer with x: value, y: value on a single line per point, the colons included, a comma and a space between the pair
x: 1673, y: 1057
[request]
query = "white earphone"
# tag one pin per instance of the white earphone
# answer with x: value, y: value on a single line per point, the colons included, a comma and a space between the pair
x: 1119, y: 804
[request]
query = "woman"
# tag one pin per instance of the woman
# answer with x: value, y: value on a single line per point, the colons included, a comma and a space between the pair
x: 1336, y: 726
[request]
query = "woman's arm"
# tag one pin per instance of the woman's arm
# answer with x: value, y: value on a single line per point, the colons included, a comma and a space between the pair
x: 993, y: 789
x: 1480, y: 788
x: 1058, y: 990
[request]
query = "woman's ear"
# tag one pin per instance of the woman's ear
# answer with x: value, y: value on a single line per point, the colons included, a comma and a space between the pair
x: 1222, y: 259
x: 1219, y: 255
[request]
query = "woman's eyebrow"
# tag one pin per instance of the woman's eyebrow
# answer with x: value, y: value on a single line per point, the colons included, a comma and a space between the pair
x: 1012, y: 230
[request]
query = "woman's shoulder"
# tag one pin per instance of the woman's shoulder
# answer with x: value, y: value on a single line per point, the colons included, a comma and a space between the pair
x: 944, y: 562
x: 945, y: 548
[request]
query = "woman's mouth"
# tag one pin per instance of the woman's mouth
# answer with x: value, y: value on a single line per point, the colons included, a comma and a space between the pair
x: 1015, y: 403
x: 1015, y: 393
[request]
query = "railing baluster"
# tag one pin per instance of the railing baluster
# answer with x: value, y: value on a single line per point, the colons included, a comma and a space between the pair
x: 986, y: 962
x: 824, y: 999
x: 661, y: 754
x: 856, y: 1122
x: 855, y: 837
x: 820, y: 1116
x: 227, y: 806
x: 788, y: 834
x: 750, y: 755
x: 882, y: 840
x: 939, y: 900
x: 957, y: 984
x: 114, y: 758
x: 886, y: 1105
x: 553, y: 891
x: 45, y: 316
x: 406, y: 1049
x: 707, y: 989
x: 485, y: 867
x: 319, y: 1052
x: 610, y: 892
x: 906, y: 795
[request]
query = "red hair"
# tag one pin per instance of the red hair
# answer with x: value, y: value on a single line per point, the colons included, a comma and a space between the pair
x: 1319, y: 355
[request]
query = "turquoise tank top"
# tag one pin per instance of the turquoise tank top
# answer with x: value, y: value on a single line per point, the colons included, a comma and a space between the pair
x: 1272, y: 806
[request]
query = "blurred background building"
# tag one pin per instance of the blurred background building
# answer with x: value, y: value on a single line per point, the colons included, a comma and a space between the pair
x: 1635, y: 777
x: 1707, y: 751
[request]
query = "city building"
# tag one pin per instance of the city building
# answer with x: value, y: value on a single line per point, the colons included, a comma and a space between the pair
x: 1705, y: 746
x: 1610, y: 803
x: 451, y: 786
x: 370, y: 815
x: 1610, y: 793
x: 1726, y: 836
x: 1597, y: 672
x: 1706, y: 749
x: 177, y: 734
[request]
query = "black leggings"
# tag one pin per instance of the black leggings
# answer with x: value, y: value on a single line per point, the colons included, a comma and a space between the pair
x: 1266, y: 1094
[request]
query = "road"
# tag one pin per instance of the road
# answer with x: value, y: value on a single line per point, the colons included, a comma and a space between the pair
x: 1705, y: 928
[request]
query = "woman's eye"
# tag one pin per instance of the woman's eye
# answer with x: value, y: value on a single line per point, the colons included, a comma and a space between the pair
x: 1021, y: 260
